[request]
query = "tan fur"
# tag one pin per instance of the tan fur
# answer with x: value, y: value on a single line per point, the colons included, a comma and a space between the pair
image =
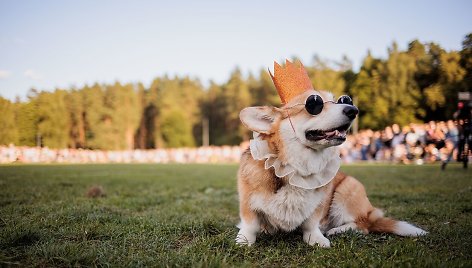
x: 330, y: 189
x: 253, y: 178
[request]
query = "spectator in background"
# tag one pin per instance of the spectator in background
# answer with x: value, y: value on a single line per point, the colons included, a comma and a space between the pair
x: 397, y: 139
x: 376, y: 145
x: 452, y: 132
x: 364, y: 140
x: 446, y: 152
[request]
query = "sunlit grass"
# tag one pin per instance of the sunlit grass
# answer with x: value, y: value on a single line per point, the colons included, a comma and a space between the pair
x: 185, y: 215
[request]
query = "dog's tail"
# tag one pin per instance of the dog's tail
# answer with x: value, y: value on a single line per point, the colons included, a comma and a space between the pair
x: 377, y: 223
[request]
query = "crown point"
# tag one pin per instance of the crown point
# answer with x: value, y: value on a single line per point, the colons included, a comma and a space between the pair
x: 277, y: 68
x: 289, y: 80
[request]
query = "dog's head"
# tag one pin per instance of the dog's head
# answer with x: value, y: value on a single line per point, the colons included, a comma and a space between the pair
x: 314, y: 119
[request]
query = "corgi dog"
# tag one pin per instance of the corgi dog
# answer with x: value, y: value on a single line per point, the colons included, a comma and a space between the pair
x: 288, y: 177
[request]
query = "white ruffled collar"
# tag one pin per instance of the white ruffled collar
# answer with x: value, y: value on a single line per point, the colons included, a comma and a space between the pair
x: 260, y: 150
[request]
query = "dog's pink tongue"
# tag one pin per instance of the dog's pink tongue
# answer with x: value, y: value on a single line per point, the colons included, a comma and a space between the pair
x: 331, y: 133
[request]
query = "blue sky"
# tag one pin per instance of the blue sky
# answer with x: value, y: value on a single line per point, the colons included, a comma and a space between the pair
x: 49, y: 44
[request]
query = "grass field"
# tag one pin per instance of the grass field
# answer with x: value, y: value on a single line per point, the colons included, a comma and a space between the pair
x: 185, y: 215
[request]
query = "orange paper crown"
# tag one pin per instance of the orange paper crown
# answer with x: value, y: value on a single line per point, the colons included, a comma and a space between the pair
x: 290, y: 80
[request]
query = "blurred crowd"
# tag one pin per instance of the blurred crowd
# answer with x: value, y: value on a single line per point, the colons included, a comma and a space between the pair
x: 415, y: 143
x: 211, y: 154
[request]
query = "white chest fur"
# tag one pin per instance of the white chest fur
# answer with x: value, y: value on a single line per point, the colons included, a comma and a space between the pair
x: 289, y: 207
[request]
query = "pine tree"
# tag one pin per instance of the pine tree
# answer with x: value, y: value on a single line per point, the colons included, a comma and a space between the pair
x: 401, y: 89
x: 75, y: 105
x: 262, y: 90
x: 371, y: 99
x: 176, y: 98
x: 213, y: 108
x: 119, y: 117
x: 8, y: 129
x: 466, y: 62
x: 236, y: 96
x: 94, y: 117
x: 143, y: 139
x: 27, y: 122
x: 53, y: 122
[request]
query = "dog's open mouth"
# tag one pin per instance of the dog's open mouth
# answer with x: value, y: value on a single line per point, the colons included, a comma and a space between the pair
x: 338, y: 133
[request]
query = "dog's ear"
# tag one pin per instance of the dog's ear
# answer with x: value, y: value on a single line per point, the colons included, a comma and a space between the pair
x: 260, y: 118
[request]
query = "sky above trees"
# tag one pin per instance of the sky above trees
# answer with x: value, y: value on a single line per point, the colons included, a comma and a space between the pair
x: 49, y: 44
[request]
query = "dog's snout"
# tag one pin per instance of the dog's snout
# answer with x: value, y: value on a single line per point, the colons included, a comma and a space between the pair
x: 350, y: 111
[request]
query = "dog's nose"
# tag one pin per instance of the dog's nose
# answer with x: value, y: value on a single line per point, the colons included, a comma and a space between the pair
x: 350, y: 111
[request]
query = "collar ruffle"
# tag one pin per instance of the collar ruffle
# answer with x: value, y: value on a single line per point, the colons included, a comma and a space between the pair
x: 260, y: 150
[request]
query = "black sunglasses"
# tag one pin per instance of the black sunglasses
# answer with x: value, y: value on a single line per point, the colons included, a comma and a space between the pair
x: 314, y: 104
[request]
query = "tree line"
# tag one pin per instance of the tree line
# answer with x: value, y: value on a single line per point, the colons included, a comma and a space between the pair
x: 413, y: 85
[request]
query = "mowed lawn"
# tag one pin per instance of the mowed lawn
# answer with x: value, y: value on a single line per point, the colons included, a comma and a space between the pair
x: 185, y: 215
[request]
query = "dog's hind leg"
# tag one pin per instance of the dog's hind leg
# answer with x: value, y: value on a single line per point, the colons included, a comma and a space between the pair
x: 343, y: 228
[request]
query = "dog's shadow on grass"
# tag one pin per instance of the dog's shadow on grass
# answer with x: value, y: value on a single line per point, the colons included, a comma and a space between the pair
x: 349, y: 239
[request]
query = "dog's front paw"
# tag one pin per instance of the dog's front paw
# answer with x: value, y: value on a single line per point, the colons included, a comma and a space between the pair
x: 245, y: 238
x: 317, y: 238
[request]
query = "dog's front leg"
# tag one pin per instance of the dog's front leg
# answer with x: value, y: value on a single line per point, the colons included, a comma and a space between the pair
x: 249, y: 226
x: 311, y: 230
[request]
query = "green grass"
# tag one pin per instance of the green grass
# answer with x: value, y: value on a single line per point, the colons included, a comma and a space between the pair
x: 185, y: 215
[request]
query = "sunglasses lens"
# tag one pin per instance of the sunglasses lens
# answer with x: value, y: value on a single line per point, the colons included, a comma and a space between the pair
x: 314, y: 104
x: 345, y: 100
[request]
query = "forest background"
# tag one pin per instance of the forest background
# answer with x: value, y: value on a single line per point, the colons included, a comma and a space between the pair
x: 418, y: 84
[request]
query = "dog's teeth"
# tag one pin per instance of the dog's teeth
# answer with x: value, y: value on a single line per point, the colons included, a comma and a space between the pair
x: 330, y: 133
